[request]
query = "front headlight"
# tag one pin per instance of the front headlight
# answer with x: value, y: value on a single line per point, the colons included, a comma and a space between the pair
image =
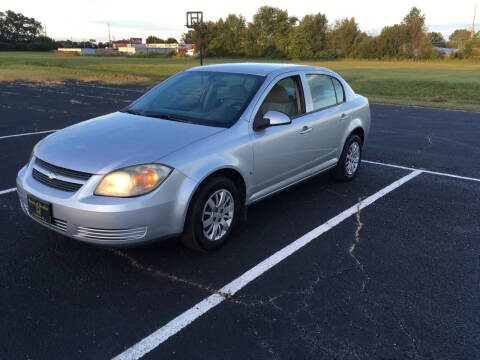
x: 133, y: 180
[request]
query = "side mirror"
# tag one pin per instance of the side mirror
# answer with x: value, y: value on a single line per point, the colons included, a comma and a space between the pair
x: 271, y: 118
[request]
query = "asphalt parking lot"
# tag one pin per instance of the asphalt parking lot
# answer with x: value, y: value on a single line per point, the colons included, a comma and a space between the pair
x: 410, y: 287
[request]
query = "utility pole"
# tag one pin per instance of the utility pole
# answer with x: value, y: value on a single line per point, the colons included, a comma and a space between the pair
x: 201, y: 43
x: 109, y: 39
x: 473, y: 24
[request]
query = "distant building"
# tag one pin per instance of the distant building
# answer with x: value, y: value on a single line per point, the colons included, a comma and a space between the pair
x: 76, y: 51
x: 132, y: 49
x: 187, y: 49
x: 446, y: 51
x: 126, y: 50
x: 164, y: 46
x: 135, y: 41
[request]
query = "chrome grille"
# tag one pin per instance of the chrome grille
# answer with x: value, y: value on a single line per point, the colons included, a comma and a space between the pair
x: 55, y: 183
x: 59, y: 224
x: 111, y: 234
x: 62, y: 171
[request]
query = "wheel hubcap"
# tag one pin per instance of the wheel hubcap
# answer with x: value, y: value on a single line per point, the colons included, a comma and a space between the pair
x: 217, y: 214
x: 353, y: 158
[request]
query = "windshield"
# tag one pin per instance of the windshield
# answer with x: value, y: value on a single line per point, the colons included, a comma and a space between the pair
x: 199, y: 97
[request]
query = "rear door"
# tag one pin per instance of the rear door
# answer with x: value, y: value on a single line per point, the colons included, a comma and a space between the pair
x: 324, y: 98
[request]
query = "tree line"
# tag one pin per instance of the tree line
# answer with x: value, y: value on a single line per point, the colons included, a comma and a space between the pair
x: 274, y: 33
x: 18, y: 32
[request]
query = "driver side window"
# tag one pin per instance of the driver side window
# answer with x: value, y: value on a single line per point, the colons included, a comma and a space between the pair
x: 286, y: 96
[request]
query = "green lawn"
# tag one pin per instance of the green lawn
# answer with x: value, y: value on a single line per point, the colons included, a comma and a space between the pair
x: 444, y: 84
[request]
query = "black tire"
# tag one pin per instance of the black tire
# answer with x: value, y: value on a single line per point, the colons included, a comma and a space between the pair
x: 193, y: 236
x: 340, y: 171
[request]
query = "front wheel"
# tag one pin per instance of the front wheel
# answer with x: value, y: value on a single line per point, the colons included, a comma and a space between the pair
x: 212, y: 214
x: 349, y: 162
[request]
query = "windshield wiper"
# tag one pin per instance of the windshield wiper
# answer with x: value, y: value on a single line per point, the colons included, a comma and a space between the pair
x: 169, y: 117
x: 131, y: 111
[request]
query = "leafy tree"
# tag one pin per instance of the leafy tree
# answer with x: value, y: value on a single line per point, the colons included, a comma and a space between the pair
x: 460, y: 35
x: 414, y: 23
x: 391, y: 41
x: 274, y: 33
x: 368, y: 48
x: 212, y: 43
x: 235, y: 34
x: 345, y: 36
x: 171, y: 41
x: 309, y: 37
x: 15, y: 27
x: 426, y: 50
x: 187, y: 37
x: 467, y: 50
x: 436, y: 39
x: 269, y: 32
x: 207, y: 31
x: 18, y: 32
x: 154, y: 40
x: 226, y: 37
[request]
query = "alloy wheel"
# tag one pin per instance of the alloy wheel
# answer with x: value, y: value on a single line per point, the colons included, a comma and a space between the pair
x: 353, y: 158
x: 217, y: 215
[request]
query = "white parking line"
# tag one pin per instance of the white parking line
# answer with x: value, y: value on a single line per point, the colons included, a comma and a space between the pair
x: 25, y: 134
x: 7, y: 191
x: 174, y: 326
x: 425, y: 171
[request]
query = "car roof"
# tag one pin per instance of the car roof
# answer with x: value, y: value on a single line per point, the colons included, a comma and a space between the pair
x: 262, y: 69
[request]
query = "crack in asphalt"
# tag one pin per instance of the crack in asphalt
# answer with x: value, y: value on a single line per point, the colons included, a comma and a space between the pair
x: 304, y: 334
x: 429, y: 139
x: 352, y: 248
x: 158, y: 273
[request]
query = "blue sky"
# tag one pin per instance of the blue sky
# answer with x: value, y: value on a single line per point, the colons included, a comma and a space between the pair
x: 78, y: 19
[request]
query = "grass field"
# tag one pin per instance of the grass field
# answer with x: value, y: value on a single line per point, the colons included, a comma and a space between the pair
x: 443, y: 84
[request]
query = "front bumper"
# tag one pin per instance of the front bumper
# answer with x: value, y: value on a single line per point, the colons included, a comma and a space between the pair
x: 106, y: 220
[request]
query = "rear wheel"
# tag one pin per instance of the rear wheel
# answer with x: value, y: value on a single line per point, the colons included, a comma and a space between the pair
x: 349, y: 162
x: 213, y: 213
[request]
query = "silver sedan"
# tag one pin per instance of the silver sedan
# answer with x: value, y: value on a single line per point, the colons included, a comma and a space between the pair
x: 190, y: 155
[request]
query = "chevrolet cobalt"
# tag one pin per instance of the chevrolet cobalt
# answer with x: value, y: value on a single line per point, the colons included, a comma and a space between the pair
x: 191, y: 154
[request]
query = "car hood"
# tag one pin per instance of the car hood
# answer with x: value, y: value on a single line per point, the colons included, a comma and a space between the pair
x: 116, y: 140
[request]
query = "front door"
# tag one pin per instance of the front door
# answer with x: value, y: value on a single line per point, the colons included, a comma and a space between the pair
x: 281, y: 153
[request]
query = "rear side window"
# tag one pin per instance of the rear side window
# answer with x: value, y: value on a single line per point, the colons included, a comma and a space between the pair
x: 322, y: 90
x: 339, y: 90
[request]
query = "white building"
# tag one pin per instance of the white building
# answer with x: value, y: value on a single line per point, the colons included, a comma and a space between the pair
x: 164, y: 46
x: 79, y: 51
x: 136, y: 49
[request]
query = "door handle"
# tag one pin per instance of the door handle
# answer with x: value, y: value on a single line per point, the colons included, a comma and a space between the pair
x: 306, y: 129
x: 344, y: 116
